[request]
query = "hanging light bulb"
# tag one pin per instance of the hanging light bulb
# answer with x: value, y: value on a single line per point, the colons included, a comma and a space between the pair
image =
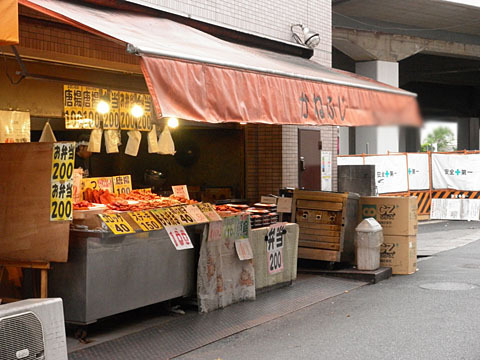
x: 173, y: 122
x: 137, y: 110
x: 103, y: 107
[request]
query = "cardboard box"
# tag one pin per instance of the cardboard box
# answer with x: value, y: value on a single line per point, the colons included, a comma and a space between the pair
x: 397, y: 215
x: 399, y: 253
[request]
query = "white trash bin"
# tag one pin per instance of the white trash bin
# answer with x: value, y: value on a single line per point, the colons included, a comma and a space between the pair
x: 368, y: 239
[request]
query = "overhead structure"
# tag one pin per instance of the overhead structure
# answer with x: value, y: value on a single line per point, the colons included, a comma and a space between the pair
x: 195, y: 76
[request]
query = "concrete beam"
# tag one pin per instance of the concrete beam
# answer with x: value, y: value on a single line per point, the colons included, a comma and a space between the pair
x: 363, y: 45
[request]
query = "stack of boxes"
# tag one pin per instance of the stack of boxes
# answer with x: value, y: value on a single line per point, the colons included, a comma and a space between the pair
x: 398, y: 217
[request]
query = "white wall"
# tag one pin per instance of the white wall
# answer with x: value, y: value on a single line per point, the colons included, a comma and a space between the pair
x: 269, y: 18
x: 380, y: 139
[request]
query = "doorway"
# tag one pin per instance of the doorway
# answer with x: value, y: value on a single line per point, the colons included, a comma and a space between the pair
x: 309, y: 159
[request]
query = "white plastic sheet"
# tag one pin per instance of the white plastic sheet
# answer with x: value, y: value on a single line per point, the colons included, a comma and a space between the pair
x: 418, y: 171
x: 349, y: 160
x: 390, y: 172
x: 456, y: 171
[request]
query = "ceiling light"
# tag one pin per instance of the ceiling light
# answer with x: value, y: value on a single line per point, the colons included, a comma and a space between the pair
x: 137, y: 110
x: 103, y: 107
x: 173, y: 122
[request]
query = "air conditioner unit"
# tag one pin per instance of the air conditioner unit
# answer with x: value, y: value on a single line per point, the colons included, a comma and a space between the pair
x: 33, y: 329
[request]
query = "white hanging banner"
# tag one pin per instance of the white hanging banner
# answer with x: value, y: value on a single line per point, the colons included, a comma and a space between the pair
x: 349, y: 160
x: 390, y: 172
x: 456, y: 171
x: 418, y: 172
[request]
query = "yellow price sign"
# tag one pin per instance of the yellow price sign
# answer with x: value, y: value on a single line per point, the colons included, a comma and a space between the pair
x: 183, y: 216
x: 122, y: 184
x: 208, y: 210
x: 145, y: 220
x: 63, y: 158
x: 103, y: 183
x: 61, y: 205
x: 165, y: 216
x: 116, y: 223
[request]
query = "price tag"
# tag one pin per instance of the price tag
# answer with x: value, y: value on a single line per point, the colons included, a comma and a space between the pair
x: 179, y: 237
x: 182, y: 215
x: 145, y: 220
x: 275, y: 238
x: 165, y: 217
x: 196, y: 214
x: 284, y: 205
x: 215, y: 229
x: 244, y: 250
x: 61, y: 184
x: 103, y: 183
x: 181, y: 191
x: 208, y: 210
x: 122, y: 184
x: 275, y: 261
x: 236, y: 227
x: 63, y: 158
x: 116, y: 223
x: 61, y: 205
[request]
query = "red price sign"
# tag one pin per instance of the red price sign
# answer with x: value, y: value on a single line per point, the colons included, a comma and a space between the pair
x: 179, y: 237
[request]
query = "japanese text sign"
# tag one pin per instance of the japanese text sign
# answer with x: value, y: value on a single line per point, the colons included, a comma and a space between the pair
x: 103, y: 183
x: 122, y: 184
x: 116, y: 223
x: 236, y: 227
x: 181, y: 191
x: 275, y: 242
x: 208, y: 210
x: 145, y: 220
x: 179, y: 237
x: 196, y: 214
x: 215, y: 229
x: 61, y: 190
x: 182, y: 215
x: 244, y: 250
x: 165, y: 216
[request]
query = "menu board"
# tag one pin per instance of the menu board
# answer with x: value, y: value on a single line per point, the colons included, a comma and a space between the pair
x: 80, y: 108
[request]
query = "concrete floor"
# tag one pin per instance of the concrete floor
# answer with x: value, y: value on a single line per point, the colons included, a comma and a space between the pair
x: 400, y: 318
x: 394, y: 319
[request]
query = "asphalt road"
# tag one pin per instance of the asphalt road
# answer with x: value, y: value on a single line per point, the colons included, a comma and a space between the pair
x: 400, y: 318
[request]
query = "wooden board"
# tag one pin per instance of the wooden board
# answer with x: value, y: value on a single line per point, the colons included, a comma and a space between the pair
x: 26, y: 232
x: 319, y: 205
x: 309, y: 231
x: 317, y: 254
x: 329, y: 239
x: 327, y: 227
x: 318, y: 245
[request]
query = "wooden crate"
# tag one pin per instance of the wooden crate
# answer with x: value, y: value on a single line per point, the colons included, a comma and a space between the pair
x: 323, y: 219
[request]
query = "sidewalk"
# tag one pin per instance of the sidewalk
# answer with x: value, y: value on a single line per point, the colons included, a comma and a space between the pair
x: 154, y: 333
x: 172, y: 337
x: 435, y: 236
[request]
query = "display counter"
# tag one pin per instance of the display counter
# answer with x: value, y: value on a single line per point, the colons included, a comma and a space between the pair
x: 107, y: 274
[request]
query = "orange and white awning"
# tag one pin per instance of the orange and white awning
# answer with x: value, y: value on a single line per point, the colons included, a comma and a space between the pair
x: 196, y: 76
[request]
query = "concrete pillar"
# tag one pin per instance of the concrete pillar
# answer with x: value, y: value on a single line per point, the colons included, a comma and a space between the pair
x: 378, y: 139
x: 344, y: 148
x: 468, y: 134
